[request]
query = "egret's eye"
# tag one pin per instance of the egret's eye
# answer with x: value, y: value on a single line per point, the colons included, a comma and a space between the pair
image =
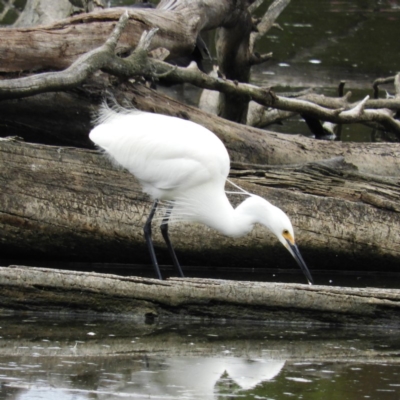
x: 288, y: 236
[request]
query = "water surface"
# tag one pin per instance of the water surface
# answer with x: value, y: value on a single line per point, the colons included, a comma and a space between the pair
x: 88, y: 358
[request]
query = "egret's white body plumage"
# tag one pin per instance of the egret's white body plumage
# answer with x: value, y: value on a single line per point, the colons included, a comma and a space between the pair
x: 178, y: 160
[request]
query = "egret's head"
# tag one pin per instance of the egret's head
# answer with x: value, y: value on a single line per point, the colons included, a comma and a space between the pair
x: 279, y: 224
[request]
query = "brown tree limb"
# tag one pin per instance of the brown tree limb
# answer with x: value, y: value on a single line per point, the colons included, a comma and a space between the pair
x: 74, y: 75
x: 103, y: 58
x: 256, y: 146
x: 58, y: 45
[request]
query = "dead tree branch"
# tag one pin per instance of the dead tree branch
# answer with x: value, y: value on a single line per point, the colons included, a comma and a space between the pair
x: 139, y: 64
x: 379, y: 112
x: 384, y: 81
x: 267, y: 21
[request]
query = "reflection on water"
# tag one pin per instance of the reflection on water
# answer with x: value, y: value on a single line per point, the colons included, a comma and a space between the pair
x: 83, y: 358
x: 203, y: 377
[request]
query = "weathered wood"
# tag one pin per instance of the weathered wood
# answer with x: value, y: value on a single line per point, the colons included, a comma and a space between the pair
x: 64, y: 119
x: 43, y: 12
x: 247, y: 144
x: 73, y: 204
x: 234, y: 59
x: 57, y: 45
x: 40, y: 289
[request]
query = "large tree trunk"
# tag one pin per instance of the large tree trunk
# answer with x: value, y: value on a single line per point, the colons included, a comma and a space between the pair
x: 73, y: 204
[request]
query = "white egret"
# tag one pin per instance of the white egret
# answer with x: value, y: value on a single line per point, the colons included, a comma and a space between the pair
x: 187, y: 165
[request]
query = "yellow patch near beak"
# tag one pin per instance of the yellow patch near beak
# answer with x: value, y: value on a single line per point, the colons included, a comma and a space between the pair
x: 288, y: 237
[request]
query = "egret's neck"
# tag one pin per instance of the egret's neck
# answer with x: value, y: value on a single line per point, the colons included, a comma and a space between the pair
x: 228, y: 220
x: 255, y: 209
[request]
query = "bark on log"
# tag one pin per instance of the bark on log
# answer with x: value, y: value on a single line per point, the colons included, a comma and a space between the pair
x: 247, y: 144
x: 64, y: 119
x: 47, y: 290
x: 58, y: 45
x: 73, y: 204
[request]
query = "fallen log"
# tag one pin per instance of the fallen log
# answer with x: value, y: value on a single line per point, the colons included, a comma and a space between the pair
x: 60, y: 291
x: 72, y: 204
x: 247, y: 144
x: 65, y: 119
x: 57, y: 45
x: 99, y: 59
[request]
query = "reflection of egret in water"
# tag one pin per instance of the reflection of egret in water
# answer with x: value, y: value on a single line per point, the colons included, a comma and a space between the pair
x: 196, y: 377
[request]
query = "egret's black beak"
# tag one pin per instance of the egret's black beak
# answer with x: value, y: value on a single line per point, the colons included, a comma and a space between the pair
x: 299, y: 259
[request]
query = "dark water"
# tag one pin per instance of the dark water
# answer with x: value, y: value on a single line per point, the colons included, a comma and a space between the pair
x: 325, y: 42
x: 83, y: 358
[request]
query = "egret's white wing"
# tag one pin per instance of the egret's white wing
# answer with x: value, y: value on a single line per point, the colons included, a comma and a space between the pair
x: 164, y: 153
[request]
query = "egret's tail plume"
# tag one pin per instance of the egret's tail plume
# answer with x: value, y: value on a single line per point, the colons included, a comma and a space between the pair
x: 107, y: 113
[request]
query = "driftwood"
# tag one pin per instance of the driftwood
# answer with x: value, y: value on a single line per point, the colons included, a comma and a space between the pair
x: 65, y: 44
x: 247, y: 144
x: 47, y: 290
x: 65, y: 119
x: 73, y: 204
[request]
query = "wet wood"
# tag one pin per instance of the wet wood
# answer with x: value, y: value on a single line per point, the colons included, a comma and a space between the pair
x: 68, y: 203
x: 60, y: 291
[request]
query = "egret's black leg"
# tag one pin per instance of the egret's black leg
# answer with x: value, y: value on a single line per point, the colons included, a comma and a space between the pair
x: 147, y: 236
x: 164, y: 231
